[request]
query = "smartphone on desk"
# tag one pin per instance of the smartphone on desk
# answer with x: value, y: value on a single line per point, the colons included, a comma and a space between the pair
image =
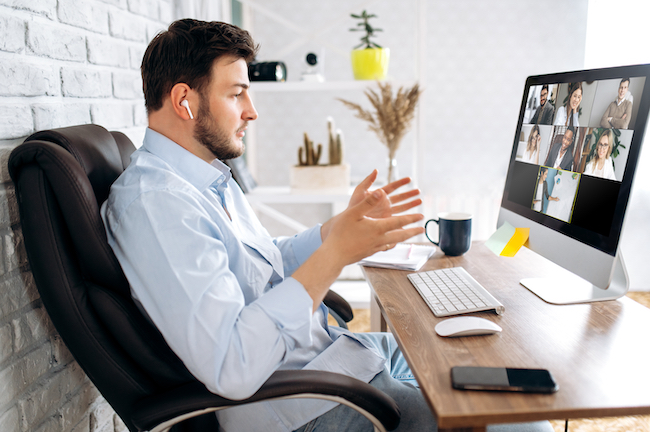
x: 503, y: 379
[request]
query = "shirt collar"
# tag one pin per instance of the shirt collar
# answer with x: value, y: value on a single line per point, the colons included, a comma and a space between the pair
x: 189, y: 166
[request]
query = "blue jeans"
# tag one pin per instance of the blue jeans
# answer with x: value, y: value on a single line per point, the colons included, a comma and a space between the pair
x: 397, y: 381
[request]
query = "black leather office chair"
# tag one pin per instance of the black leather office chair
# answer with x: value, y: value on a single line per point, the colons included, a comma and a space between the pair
x: 62, y: 176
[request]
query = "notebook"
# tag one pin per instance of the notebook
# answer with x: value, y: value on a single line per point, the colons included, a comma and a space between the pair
x: 404, y: 256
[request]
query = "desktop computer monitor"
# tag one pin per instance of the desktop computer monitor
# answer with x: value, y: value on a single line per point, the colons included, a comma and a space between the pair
x: 571, y: 169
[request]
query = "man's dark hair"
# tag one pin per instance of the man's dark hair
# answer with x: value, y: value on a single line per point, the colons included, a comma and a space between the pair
x: 625, y: 79
x: 544, y: 86
x: 185, y: 53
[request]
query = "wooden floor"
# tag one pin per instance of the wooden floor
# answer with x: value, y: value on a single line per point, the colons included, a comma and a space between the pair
x: 361, y: 323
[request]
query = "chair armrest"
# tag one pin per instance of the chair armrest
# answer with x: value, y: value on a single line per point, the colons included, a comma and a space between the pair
x: 339, y: 305
x: 194, y: 399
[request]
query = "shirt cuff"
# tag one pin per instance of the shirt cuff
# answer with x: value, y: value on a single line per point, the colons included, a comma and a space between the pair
x: 306, y: 243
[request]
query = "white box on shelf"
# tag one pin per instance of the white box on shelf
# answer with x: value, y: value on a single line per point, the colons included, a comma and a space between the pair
x: 320, y: 179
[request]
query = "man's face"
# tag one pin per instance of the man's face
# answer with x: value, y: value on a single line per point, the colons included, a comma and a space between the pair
x: 622, y: 89
x: 542, y: 96
x: 567, y: 139
x: 225, y: 109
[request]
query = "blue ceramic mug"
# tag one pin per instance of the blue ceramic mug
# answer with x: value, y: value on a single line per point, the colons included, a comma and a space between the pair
x: 454, y: 233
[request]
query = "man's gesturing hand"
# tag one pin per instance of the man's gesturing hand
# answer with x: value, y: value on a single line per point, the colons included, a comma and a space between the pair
x: 387, y: 207
x: 354, y: 235
x: 350, y: 237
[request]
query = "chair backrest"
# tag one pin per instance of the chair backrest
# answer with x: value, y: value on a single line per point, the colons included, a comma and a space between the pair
x: 62, y: 177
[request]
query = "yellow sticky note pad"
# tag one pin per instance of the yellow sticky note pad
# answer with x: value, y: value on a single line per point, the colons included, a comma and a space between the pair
x: 516, y: 242
x: 507, y: 240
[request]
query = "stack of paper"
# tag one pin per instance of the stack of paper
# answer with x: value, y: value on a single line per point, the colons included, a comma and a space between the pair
x: 404, y: 256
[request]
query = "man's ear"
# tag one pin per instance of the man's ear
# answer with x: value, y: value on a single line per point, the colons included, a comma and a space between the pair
x: 182, y: 98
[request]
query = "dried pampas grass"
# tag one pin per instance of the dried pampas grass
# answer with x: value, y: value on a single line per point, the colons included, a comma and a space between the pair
x: 391, y: 118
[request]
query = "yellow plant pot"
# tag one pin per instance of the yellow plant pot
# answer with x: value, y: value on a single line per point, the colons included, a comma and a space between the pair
x: 370, y: 63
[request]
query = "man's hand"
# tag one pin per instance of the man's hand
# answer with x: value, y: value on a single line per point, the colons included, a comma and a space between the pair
x: 385, y: 208
x: 352, y: 236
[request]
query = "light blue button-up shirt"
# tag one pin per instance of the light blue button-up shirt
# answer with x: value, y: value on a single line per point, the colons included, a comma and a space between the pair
x: 219, y: 289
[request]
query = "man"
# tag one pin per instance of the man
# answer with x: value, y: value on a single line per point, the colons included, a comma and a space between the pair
x: 234, y: 304
x: 619, y: 112
x: 545, y: 111
x: 561, y: 154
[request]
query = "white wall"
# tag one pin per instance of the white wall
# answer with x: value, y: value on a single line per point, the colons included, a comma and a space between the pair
x: 62, y: 62
x: 629, y: 19
x: 477, y: 56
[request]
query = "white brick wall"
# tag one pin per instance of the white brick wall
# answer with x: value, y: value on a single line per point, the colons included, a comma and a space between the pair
x: 62, y: 62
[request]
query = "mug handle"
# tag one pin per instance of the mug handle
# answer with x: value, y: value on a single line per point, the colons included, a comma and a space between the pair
x: 425, y: 231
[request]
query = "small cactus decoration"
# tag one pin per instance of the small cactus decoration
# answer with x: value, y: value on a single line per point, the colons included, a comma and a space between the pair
x: 335, y: 143
x: 311, y: 156
x: 308, y: 156
x: 332, y: 175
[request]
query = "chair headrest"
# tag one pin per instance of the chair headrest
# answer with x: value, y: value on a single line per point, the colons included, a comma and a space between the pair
x: 97, y: 151
x: 80, y: 163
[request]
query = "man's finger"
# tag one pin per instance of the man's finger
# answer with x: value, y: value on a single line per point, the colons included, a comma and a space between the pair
x: 391, y: 187
x: 368, y: 181
x: 368, y: 203
x: 401, y: 235
x: 404, y: 196
x: 407, y: 206
x: 397, y: 222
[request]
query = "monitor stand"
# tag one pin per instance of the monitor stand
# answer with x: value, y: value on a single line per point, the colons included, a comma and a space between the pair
x: 573, y: 289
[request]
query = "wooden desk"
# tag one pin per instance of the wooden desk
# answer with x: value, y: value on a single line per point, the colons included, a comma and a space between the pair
x: 599, y: 353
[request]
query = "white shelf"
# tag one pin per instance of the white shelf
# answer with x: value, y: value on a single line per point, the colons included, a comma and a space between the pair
x: 421, y: 63
x: 284, y: 195
x: 298, y: 86
x: 260, y: 198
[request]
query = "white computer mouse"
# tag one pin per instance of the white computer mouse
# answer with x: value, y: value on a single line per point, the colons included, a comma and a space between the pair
x: 466, y: 326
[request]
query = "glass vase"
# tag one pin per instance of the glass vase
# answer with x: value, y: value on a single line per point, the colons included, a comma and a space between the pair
x: 393, y: 172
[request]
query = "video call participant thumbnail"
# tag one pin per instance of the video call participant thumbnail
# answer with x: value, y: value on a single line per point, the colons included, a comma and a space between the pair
x: 619, y: 112
x: 546, y: 110
x: 561, y: 154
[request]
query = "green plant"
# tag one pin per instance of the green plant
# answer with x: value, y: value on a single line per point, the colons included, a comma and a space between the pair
x: 335, y: 144
x: 311, y: 155
x: 364, y: 25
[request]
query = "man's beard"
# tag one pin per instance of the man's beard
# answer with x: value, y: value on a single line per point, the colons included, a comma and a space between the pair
x: 212, y: 137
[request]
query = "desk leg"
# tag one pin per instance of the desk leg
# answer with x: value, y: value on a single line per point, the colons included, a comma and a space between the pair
x: 377, y: 321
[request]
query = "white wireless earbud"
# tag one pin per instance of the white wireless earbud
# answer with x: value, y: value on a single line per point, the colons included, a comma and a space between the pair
x: 186, y: 104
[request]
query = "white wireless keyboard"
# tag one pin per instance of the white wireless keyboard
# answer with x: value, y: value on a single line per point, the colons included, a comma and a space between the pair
x: 453, y: 291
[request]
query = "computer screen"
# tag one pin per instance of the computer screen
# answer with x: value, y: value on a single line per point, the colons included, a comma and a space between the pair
x: 572, y: 164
